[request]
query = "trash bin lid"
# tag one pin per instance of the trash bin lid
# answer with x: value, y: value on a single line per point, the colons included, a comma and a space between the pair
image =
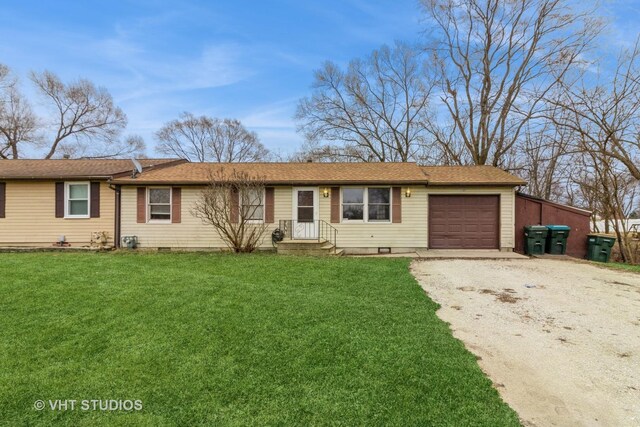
x: 559, y: 227
x: 535, y: 228
x: 603, y: 238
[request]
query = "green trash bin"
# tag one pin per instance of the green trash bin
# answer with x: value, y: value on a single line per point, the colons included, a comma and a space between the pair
x: 557, y: 239
x: 535, y: 237
x: 599, y: 247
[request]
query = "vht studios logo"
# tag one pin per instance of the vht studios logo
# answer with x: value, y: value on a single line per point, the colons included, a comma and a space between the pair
x: 88, y: 405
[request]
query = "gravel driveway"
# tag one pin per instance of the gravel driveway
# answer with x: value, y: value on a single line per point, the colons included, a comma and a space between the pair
x: 559, y: 339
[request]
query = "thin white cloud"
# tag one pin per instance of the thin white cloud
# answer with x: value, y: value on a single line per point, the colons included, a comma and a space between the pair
x: 275, y: 126
x: 278, y: 115
x: 146, y: 73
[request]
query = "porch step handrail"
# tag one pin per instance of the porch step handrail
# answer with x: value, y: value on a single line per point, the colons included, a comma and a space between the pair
x: 325, y: 231
x: 328, y: 232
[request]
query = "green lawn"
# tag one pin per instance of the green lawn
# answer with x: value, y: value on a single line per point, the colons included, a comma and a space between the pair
x: 206, y: 339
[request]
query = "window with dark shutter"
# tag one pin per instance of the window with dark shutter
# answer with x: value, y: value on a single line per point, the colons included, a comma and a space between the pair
x: 269, y: 205
x: 59, y: 200
x: 335, y: 204
x: 176, y: 205
x: 3, y: 199
x: 141, y: 205
x: 95, y: 200
x: 396, y: 210
x: 234, y: 198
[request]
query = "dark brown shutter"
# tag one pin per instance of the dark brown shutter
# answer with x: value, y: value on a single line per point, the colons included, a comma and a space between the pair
x: 396, y: 208
x: 142, y: 205
x: 335, y: 204
x: 269, y: 205
x: 3, y: 199
x: 59, y: 199
x: 95, y: 200
x: 176, y: 205
x: 234, y: 199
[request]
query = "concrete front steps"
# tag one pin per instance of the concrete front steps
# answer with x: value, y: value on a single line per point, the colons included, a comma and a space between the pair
x: 308, y: 247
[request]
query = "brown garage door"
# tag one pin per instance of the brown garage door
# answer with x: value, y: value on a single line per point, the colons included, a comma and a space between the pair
x: 464, y: 222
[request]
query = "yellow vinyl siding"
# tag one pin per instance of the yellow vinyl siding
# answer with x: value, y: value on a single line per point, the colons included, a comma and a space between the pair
x: 190, y: 232
x: 30, y: 216
x: 411, y: 233
x: 507, y: 207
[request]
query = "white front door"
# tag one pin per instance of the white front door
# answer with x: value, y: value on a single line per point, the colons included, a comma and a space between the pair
x: 305, y: 213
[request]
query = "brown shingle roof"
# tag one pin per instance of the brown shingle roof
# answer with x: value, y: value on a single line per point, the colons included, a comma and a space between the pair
x: 286, y: 173
x: 469, y: 175
x: 329, y: 173
x: 71, y: 168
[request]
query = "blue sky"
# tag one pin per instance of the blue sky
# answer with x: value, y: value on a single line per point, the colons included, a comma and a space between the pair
x: 250, y: 60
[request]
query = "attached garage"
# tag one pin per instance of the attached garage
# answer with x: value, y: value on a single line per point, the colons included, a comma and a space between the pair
x: 464, y: 222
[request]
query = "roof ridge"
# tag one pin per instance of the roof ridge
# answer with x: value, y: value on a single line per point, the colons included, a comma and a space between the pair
x: 168, y: 159
x: 303, y: 163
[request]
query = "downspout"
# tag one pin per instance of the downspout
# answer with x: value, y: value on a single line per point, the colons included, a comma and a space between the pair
x: 118, y: 209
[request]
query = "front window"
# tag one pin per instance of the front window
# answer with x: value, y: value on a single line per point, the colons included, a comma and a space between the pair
x: 77, y: 200
x: 253, y: 204
x: 379, y: 201
x: 353, y: 203
x: 366, y: 204
x: 159, y: 204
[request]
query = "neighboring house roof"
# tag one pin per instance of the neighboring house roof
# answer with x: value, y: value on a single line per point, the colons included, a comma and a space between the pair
x: 73, y: 168
x: 285, y: 173
x: 327, y: 174
x: 470, y: 175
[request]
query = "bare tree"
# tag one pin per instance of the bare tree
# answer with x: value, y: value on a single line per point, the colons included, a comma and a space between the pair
x: 313, y: 151
x: 84, y: 120
x: 611, y: 193
x: 208, y: 139
x: 5, y: 78
x: 496, y: 62
x: 606, y: 115
x: 373, y: 111
x: 233, y: 203
x: 543, y: 158
x: 129, y: 146
x: 18, y: 124
x: 83, y: 113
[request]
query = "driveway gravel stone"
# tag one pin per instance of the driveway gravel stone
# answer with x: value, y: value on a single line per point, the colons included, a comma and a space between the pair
x: 559, y: 339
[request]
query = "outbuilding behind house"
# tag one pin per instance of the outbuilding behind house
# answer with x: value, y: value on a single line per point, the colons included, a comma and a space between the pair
x: 535, y: 211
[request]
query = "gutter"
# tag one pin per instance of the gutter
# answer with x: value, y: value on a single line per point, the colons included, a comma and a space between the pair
x: 273, y: 183
x: 475, y: 184
x: 57, y: 178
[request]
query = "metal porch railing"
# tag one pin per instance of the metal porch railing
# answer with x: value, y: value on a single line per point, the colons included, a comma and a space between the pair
x: 317, y: 229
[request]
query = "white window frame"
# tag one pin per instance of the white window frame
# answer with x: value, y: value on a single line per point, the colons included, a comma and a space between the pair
x: 159, y: 221
x: 365, y: 200
x: 364, y: 204
x: 67, y: 215
x: 264, y: 200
